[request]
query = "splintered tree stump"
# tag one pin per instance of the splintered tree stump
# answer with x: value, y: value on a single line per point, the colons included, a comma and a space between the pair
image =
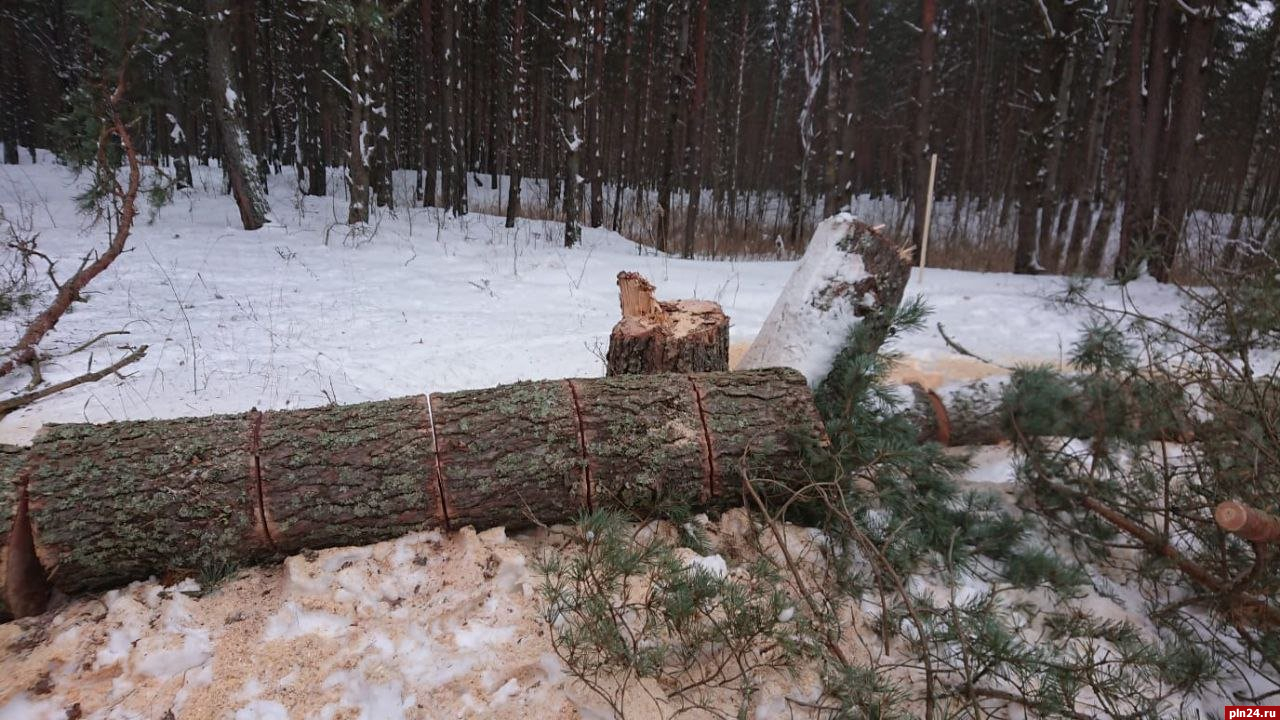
x: 113, y: 503
x: 347, y: 475
x: 121, y: 501
x: 657, y: 336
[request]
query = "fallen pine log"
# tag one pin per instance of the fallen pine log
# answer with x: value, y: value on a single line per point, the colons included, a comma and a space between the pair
x: 89, y: 507
x: 989, y: 414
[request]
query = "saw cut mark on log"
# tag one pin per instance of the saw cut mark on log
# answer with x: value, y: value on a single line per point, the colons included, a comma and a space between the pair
x: 438, y: 477
x: 89, y: 507
x: 706, y: 439
x: 255, y: 469
x: 588, y: 501
x: 656, y: 336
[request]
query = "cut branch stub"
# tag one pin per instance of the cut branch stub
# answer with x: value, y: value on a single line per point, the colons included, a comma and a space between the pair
x: 347, y: 475
x: 1251, y: 524
x: 645, y: 443
x: 655, y: 336
x: 117, y: 502
x: 509, y: 454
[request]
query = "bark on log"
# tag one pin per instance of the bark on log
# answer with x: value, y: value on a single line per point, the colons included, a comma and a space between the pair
x: 665, y: 336
x: 980, y: 414
x: 645, y: 442
x: 118, y: 502
x: 759, y: 428
x: 347, y: 475
x: 121, y: 501
x: 509, y: 454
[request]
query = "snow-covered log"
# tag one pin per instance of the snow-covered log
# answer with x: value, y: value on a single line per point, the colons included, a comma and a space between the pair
x: 123, y: 501
x: 848, y: 272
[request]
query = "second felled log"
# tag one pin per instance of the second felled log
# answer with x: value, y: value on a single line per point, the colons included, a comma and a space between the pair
x: 656, y: 336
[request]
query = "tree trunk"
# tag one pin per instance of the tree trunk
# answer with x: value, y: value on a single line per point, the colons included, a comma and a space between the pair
x: 920, y: 138
x: 519, y: 114
x: 113, y: 503
x: 1147, y: 127
x: 596, y: 119
x: 677, y: 40
x: 849, y: 274
x: 1188, y: 109
x: 572, y: 115
x: 1263, y: 126
x: 693, y: 154
x: 1094, y: 148
x: 674, y: 336
x: 237, y: 158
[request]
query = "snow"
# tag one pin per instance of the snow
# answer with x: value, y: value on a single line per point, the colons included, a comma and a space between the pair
x: 713, y: 565
x: 308, y: 311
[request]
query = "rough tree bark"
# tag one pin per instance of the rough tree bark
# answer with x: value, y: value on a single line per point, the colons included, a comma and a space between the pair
x: 672, y: 336
x: 122, y: 501
x: 237, y: 157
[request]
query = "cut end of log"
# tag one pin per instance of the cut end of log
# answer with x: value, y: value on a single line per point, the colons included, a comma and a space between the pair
x: 1246, y: 522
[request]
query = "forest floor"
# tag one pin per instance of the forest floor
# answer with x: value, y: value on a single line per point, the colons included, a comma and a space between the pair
x: 305, y: 312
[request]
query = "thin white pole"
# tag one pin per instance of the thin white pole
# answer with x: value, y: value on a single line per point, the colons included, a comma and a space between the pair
x: 928, y: 215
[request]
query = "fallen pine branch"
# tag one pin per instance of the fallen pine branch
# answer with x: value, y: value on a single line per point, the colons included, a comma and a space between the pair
x: 14, y: 403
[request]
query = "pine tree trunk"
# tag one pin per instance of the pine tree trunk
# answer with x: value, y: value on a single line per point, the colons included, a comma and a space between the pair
x: 1175, y: 199
x: 596, y: 128
x: 920, y: 138
x: 677, y: 40
x: 113, y: 503
x: 572, y: 114
x: 693, y: 154
x: 237, y: 158
x: 1242, y: 206
x: 519, y: 114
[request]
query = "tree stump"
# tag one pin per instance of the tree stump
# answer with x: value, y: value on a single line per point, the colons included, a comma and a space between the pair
x: 656, y: 336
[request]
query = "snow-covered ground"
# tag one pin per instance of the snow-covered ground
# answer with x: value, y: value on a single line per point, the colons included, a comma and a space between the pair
x: 307, y: 311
